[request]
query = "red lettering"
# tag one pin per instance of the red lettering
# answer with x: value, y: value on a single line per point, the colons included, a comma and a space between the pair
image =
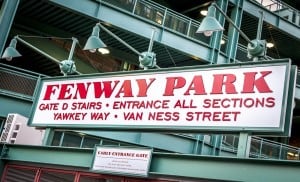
x: 107, y: 89
x: 235, y: 115
x: 270, y: 102
x: 216, y: 103
x: 143, y: 87
x: 212, y: 116
x: 206, y: 103
x: 82, y: 90
x: 65, y: 90
x: 216, y: 116
x: 226, y: 80
x: 197, y: 85
x: 50, y: 89
x: 225, y: 105
x: 260, y: 83
x: 226, y: 116
x: 125, y: 89
x: 172, y: 84
x: 206, y: 115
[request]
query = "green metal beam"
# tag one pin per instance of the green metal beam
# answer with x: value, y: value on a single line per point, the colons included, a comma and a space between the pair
x: 7, y: 14
x: 48, y: 155
x: 168, y: 142
x: 215, y: 41
x: 10, y: 104
x: 233, y: 33
x: 231, y: 169
x: 97, y: 11
x: 166, y: 164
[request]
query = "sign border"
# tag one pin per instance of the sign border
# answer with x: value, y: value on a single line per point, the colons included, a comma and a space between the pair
x: 203, y: 129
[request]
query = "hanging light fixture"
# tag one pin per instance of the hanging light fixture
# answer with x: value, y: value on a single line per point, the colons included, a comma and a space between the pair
x: 210, y: 24
x: 66, y: 66
x: 94, y: 42
x: 256, y: 48
x: 146, y: 59
x: 11, y: 51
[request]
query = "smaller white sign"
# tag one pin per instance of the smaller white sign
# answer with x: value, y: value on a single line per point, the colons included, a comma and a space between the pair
x: 122, y: 160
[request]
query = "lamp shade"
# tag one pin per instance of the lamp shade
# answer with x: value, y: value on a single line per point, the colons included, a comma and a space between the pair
x: 94, y: 42
x: 210, y: 24
x: 11, y: 52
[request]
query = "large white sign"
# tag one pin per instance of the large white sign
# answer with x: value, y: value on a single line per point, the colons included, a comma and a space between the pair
x: 122, y: 160
x: 243, y: 97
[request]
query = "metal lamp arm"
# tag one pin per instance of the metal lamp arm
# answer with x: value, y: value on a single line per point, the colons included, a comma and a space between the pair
x: 151, y: 40
x: 118, y: 38
x: 74, y: 42
x: 147, y: 58
x: 232, y: 23
x: 36, y: 49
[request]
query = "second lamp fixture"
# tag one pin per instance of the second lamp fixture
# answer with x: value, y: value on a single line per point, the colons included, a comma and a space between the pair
x: 147, y: 59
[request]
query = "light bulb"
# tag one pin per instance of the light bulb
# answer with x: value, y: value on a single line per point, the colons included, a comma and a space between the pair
x: 270, y: 45
x: 103, y: 51
x: 208, y: 33
x: 203, y: 12
x: 93, y: 50
x: 222, y: 41
x: 8, y: 58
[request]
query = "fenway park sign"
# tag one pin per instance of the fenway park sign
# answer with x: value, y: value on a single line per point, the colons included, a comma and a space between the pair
x: 232, y: 97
